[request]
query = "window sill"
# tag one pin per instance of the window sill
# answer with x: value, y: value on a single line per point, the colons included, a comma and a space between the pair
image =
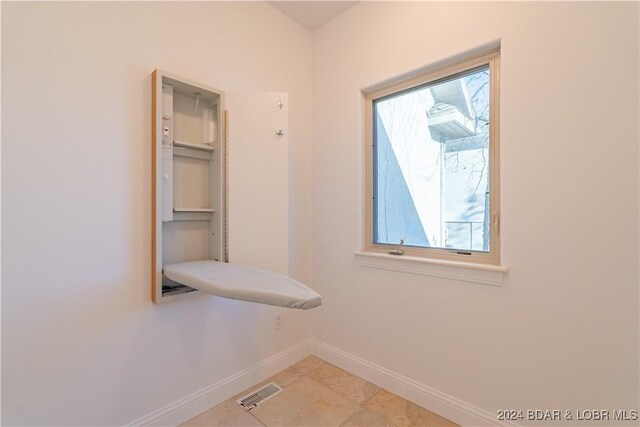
x: 455, y: 270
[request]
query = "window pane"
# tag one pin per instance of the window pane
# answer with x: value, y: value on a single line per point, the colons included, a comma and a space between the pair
x: 431, y: 164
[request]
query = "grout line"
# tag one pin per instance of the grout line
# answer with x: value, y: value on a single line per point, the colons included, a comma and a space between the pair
x: 372, y: 396
x: 352, y: 375
x: 258, y: 419
x: 293, y: 382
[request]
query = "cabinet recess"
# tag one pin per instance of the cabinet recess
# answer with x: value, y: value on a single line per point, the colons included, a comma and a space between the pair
x: 188, y: 178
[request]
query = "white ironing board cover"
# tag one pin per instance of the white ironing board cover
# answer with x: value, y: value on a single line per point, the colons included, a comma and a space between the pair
x: 243, y: 283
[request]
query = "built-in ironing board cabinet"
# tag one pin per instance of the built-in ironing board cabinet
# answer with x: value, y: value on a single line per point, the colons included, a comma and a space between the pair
x: 198, y: 225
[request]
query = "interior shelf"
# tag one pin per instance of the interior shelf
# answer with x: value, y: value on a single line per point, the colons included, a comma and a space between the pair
x: 193, y: 145
x: 193, y: 210
x: 189, y: 179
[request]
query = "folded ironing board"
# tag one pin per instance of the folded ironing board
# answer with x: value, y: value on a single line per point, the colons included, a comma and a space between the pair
x: 243, y: 283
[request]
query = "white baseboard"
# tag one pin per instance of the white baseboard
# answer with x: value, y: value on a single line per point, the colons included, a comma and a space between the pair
x: 198, y: 402
x: 447, y: 406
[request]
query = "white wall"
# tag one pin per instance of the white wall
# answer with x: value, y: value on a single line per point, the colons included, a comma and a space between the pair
x: 562, y: 332
x: 82, y: 342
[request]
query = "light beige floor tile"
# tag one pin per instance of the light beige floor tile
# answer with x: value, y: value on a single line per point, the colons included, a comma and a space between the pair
x: 305, y: 403
x: 216, y: 416
x: 327, y: 396
x: 345, y: 384
x: 366, y: 418
x: 245, y: 419
x: 403, y: 413
x: 308, y: 364
x: 286, y: 377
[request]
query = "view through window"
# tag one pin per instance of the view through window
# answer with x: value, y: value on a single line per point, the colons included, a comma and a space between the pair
x: 432, y: 166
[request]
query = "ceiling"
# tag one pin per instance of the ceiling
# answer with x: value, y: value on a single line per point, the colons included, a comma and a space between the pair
x: 312, y: 14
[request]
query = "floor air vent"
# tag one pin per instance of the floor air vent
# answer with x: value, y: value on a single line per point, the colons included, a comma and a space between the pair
x: 259, y: 396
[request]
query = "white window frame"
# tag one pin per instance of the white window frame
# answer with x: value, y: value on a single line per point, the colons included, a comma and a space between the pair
x: 492, y: 257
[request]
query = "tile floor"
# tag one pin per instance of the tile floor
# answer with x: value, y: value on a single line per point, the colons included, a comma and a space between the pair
x: 317, y: 393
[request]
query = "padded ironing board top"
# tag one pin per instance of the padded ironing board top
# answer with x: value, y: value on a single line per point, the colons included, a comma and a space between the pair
x: 243, y: 283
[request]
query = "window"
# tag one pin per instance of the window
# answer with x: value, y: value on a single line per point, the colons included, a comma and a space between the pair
x: 432, y: 165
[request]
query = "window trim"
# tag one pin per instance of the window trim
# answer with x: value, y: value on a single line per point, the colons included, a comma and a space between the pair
x: 492, y: 257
